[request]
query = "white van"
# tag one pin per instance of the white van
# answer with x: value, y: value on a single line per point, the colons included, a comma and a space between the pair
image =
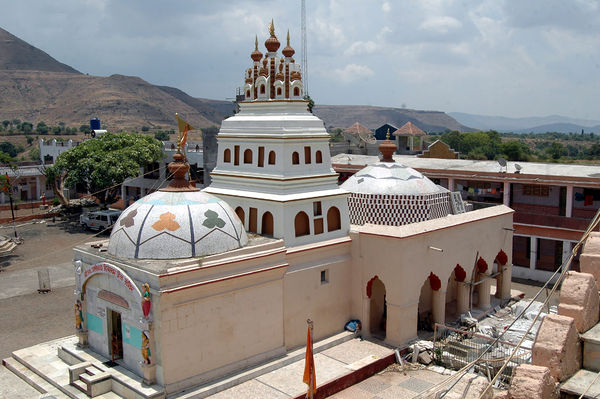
x: 99, y: 220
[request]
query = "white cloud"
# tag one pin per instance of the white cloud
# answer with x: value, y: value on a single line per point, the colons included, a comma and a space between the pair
x: 352, y: 72
x: 361, y: 48
x: 440, y: 24
x: 386, y: 7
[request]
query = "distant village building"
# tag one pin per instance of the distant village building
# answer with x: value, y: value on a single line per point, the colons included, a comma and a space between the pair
x: 409, y: 139
x: 440, y: 150
x: 196, y: 285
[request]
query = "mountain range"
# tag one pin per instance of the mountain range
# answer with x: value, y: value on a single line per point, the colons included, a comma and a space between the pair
x: 35, y: 87
x: 552, y: 123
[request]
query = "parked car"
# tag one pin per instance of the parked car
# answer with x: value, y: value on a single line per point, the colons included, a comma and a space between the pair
x: 99, y: 220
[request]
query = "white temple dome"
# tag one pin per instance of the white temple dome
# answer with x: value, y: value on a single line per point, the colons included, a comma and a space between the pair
x: 390, y: 178
x: 176, y: 222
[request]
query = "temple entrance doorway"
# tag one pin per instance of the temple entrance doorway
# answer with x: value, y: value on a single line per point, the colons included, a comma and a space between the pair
x: 115, y: 334
x: 378, y: 309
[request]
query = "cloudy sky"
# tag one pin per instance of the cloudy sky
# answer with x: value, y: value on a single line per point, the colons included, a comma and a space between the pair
x: 495, y: 57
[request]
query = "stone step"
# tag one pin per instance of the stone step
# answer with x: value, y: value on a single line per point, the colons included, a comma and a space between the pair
x: 80, y: 385
x: 591, y: 348
x: 31, y: 378
x: 578, y: 383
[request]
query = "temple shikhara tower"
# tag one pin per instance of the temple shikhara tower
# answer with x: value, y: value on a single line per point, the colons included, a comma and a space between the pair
x: 273, y: 165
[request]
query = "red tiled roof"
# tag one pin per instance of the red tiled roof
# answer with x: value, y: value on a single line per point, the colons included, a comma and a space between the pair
x: 409, y: 130
x: 357, y: 128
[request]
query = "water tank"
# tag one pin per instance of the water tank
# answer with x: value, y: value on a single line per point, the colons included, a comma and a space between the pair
x: 95, y: 124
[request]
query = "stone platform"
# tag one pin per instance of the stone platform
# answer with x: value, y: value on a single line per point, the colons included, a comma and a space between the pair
x: 341, y: 360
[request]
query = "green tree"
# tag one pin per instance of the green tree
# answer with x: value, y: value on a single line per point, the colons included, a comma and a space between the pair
x: 29, y: 139
x: 311, y: 102
x: 102, y: 164
x: 161, y: 135
x: 556, y: 150
x: 41, y: 128
x: 27, y: 127
x: 9, y: 149
x: 34, y: 154
x: 5, y: 123
x: 514, y: 151
x: 145, y: 128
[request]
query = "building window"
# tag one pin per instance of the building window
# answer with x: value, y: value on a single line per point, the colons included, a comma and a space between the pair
x: 306, y: 155
x: 236, y: 155
x: 262, y: 89
x: 318, y: 157
x: 295, y: 158
x: 227, y: 155
x: 279, y: 91
x: 252, y: 222
x: 301, y: 225
x: 261, y: 157
x: 248, y: 156
x: 248, y: 94
x: 324, y: 276
x: 333, y: 219
x: 534, y: 190
x: 318, y: 226
x: 296, y: 91
x: 317, y: 208
x: 240, y: 213
x: 271, y: 157
x: 267, y: 224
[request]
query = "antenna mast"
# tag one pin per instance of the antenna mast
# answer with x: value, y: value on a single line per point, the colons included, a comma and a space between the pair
x: 304, y: 55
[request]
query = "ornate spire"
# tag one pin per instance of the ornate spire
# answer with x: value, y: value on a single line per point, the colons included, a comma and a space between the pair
x: 387, y: 148
x: 256, y: 55
x: 288, y: 51
x: 179, y: 168
x: 272, y: 44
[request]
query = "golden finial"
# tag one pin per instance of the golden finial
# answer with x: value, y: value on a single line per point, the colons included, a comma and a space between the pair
x: 288, y: 38
x: 272, y: 28
x: 179, y: 139
x: 256, y: 43
x: 387, y: 136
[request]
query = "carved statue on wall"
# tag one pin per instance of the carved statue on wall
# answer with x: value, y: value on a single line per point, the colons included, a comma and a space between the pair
x: 145, y: 347
x: 78, y: 315
x: 146, y: 302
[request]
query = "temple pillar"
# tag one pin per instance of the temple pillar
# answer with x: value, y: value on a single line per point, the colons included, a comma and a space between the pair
x: 438, y: 306
x: 569, y: 202
x: 401, y: 323
x: 483, y: 289
x: 506, y: 197
x: 462, y: 297
x: 451, y: 184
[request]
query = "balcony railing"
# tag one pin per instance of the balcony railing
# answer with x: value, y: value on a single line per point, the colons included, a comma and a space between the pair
x: 562, y: 222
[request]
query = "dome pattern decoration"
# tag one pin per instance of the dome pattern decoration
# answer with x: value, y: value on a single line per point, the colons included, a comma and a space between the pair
x: 389, y: 193
x: 178, y: 221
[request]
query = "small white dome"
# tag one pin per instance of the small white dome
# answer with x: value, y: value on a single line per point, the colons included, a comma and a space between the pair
x: 170, y: 225
x: 390, y: 178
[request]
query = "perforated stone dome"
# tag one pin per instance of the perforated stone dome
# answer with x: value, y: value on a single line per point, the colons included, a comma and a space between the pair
x: 170, y: 225
x: 390, y: 178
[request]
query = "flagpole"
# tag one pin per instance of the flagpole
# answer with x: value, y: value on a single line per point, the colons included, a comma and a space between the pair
x: 310, y: 329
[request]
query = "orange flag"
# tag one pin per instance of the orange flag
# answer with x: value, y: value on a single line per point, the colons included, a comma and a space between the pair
x: 309, y: 378
x: 183, y: 129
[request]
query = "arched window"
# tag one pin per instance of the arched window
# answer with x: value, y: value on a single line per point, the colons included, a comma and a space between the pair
x: 279, y: 91
x: 262, y: 89
x: 318, y: 157
x: 333, y: 219
x: 240, y: 213
x: 248, y: 94
x: 227, y: 155
x: 271, y: 157
x: 295, y: 158
x: 296, y: 91
x: 248, y: 156
x: 301, y: 224
x: 267, y: 224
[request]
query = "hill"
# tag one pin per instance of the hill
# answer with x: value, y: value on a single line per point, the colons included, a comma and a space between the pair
x: 551, y: 123
x: 343, y: 116
x: 35, y: 87
x: 16, y: 54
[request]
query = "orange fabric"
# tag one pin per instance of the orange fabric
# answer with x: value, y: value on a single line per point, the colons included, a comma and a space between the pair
x: 183, y: 129
x: 309, y: 366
